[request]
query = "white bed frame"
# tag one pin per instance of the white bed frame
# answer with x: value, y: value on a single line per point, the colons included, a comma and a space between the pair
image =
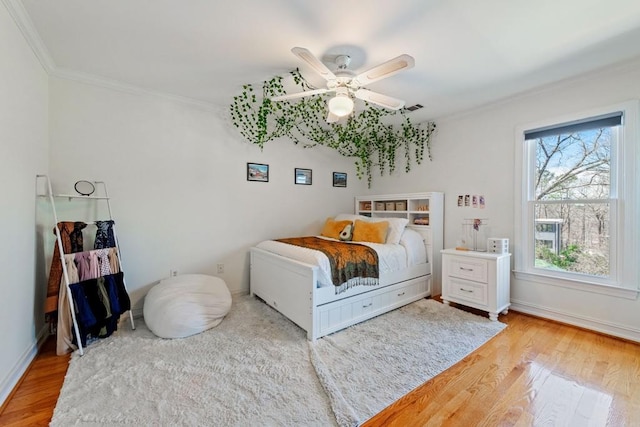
x: 290, y: 287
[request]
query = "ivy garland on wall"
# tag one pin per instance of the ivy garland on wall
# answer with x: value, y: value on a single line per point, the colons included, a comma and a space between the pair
x: 363, y: 134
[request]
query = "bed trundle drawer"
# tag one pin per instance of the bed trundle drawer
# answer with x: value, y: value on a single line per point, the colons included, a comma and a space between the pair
x: 340, y: 314
x: 366, y: 305
x: 335, y: 314
x: 405, y: 293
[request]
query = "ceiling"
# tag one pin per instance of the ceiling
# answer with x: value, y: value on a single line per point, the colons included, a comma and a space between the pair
x: 467, y: 52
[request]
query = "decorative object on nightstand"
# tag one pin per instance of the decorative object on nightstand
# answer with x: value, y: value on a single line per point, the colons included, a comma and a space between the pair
x: 497, y: 245
x: 477, y: 279
x: 473, y: 234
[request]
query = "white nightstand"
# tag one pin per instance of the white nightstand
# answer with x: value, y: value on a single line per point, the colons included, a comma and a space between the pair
x: 477, y: 279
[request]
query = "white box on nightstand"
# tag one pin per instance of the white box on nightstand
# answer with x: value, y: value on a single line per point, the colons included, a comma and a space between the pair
x: 497, y: 245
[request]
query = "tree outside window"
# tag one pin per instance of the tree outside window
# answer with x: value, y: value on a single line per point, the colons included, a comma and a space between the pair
x: 571, y: 196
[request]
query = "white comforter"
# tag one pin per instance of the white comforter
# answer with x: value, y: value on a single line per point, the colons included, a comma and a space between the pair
x: 390, y: 257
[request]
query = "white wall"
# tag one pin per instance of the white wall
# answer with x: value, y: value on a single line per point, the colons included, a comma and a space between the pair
x: 23, y: 154
x: 177, y: 177
x: 474, y: 154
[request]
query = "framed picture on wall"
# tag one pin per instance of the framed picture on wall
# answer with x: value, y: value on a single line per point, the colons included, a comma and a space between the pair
x: 339, y: 179
x: 303, y: 176
x: 257, y: 172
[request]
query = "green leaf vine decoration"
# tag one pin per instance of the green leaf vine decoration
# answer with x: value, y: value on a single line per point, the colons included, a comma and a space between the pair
x: 363, y: 135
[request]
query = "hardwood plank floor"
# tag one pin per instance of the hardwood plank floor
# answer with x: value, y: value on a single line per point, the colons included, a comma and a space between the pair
x: 35, y: 397
x: 535, y: 372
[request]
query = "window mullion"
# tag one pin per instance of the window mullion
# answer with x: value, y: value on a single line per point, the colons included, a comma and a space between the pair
x: 572, y: 201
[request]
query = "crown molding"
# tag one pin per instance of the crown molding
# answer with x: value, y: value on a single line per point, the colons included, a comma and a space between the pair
x: 92, y: 79
x: 618, y: 67
x: 25, y: 24
x: 31, y: 35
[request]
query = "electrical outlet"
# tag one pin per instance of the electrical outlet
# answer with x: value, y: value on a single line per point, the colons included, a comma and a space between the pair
x: 220, y: 268
x: 173, y: 273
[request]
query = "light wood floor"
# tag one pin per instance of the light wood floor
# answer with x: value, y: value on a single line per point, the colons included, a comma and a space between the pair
x: 33, y: 401
x: 533, y: 373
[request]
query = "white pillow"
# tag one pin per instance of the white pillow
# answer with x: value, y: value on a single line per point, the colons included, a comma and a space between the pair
x: 396, y: 225
x: 396, y: 228
x: 413, y: 242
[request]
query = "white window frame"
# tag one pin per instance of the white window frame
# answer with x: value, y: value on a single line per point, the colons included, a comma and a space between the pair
x: 624, y: 208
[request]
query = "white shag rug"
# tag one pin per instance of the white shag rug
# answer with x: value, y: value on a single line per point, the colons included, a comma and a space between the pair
x: 257, y: 368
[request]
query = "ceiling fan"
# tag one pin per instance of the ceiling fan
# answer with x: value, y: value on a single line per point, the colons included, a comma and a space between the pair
x: 346, y: 84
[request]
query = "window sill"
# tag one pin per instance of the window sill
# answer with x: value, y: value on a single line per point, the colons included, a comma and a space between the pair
x: 584, y: 286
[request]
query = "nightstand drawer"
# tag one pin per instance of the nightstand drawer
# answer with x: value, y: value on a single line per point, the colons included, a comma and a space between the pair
x: 468, y: 268
x: 470, y: 291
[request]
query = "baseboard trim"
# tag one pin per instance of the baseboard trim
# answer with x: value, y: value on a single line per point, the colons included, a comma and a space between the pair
x: 597, y: 325
x: 239, y: 292
x: 9, y: 384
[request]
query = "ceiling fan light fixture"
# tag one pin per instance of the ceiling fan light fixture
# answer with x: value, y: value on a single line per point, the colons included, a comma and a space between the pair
x: 341, y: 105
x: 349, y: 86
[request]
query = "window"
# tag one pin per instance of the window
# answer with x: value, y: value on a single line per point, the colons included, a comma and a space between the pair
x: 576, y: 223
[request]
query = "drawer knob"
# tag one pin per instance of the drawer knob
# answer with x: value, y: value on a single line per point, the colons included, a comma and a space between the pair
x: 466, y: 290
x: 401, y: 294
x: 466, y: 269
x: 368, y: 305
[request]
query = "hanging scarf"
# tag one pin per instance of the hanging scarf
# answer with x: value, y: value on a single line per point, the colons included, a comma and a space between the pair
x: 104, y: 236
x: 72, y: 241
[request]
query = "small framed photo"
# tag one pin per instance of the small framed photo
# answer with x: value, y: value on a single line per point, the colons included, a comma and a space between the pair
x: 257, y: 172
x: 339, y: 179
x: 303, y: 176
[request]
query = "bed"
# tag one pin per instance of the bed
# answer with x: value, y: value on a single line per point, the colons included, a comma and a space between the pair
x: 295, y: 281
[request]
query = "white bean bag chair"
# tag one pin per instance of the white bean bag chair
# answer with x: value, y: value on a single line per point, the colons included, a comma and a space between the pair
x: 185, y: 305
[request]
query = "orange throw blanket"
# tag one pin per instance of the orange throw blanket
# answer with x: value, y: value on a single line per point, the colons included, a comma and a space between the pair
x: 351, y: 264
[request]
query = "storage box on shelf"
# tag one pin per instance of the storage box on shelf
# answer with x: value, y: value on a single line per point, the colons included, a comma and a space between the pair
x: 425, y: 214
x: 365, y: 206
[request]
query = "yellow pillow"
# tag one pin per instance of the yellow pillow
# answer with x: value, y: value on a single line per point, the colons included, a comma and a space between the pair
x: 374, y: 232
x: 334, y: 228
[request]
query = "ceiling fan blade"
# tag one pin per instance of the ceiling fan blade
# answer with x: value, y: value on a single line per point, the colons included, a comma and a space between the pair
x: 332, y: 118
x: 315, y: 63
x: 379, y: 99
x: 299, y: 95
x: 386, y: 69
